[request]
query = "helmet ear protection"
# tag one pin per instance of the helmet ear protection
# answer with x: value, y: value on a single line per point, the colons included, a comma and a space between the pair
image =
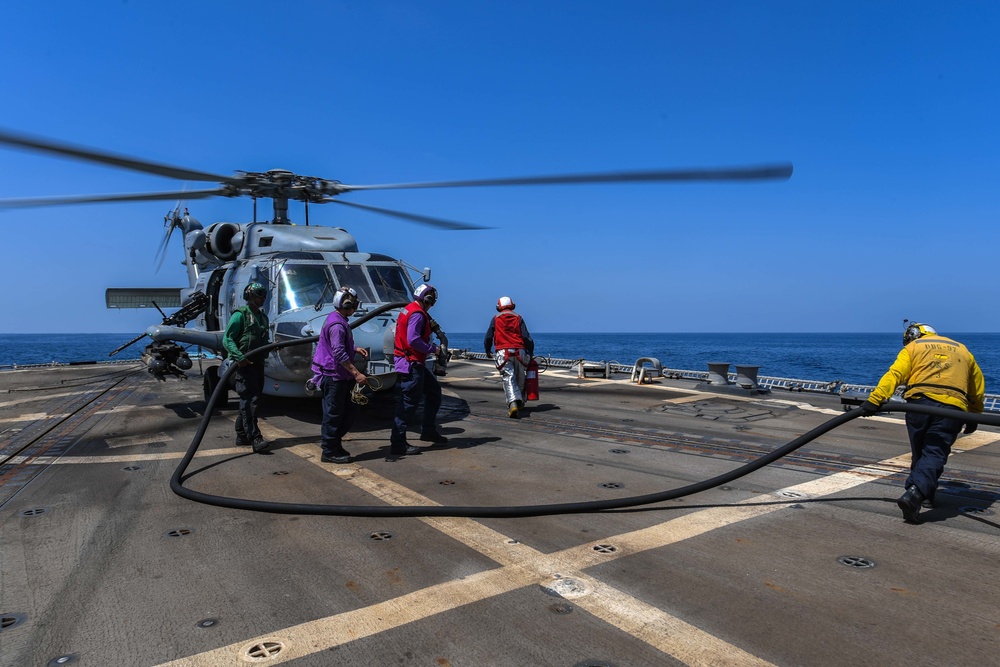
x: 254, y: 289
x: 346, y: 297
x: 426, y: 294
x: 915, y: 331
x: 505, y: 303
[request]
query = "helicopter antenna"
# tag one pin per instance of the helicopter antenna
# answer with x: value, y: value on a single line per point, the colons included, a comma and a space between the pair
x: 159, y: 309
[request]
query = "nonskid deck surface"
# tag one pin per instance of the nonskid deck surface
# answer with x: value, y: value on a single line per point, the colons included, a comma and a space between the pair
x: 805, y: 562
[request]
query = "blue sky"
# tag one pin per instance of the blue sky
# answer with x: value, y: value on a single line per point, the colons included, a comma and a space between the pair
x: 887, y: 110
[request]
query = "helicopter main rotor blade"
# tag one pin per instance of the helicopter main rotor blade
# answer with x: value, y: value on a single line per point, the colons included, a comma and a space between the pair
x: 96, y: 199
x: 765, y: 172
x: 412, y: 217
x: 91, y: 155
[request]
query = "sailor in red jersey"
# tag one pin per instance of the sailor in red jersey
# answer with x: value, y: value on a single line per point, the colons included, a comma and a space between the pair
x: 412, y: 345
x: 508, y: 336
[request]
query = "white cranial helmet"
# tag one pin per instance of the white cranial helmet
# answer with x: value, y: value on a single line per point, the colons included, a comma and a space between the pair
x: 426, y: 294
x: 346, y: 297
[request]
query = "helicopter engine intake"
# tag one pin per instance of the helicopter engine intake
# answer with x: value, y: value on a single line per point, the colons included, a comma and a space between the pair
x: 225, y: 240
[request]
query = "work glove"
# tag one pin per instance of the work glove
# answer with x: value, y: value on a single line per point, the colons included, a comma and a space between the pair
x: 868, y: 409
x: 970, y: 427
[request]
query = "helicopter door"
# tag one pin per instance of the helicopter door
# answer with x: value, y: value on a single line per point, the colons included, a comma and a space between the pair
x: 213, y: 288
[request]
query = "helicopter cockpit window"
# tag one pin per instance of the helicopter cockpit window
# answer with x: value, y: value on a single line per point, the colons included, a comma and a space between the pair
x: 390, y: 283
x: 354, y: 276
x: 301, y: 285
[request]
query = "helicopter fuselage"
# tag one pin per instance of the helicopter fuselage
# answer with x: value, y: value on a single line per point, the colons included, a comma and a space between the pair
x: 303, y: 267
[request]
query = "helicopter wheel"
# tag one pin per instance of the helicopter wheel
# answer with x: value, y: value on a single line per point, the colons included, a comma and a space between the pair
x: 211, y: 381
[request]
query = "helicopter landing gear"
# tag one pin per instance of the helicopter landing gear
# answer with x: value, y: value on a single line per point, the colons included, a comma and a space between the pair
x: 211, y: 381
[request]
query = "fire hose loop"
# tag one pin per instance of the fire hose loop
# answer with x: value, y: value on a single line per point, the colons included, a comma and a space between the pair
x: 513, y: 511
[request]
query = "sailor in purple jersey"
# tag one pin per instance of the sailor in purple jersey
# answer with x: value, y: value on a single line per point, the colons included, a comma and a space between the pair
x: 333, y: 363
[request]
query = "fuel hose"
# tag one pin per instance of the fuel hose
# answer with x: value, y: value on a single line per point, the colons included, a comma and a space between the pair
x: 510, y: 511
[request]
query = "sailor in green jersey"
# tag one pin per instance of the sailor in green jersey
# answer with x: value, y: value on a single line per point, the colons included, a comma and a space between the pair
x: 246, y: 331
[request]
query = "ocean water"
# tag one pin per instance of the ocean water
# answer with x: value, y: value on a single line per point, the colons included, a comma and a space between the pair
x: 853, y: 358
x: 24, y: 349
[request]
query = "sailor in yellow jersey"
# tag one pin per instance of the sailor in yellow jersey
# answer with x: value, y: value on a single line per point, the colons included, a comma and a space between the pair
x: 940, y: 372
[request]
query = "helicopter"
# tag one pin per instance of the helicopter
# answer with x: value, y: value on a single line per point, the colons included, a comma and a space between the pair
x: 303, y: 266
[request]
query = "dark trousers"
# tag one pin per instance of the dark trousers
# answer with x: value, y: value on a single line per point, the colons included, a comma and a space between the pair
x: 248, y: 382
x: 338, y: 413
x: 931, y: 439
x: 418, y: 384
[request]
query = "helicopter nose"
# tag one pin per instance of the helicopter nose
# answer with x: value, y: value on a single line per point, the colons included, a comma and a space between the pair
x: 293, y: 326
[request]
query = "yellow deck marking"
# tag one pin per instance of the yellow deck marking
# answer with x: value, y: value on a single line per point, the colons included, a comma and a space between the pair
x: 128, y: 458
x: 521, y: 565
x: 34, y: 416
x: 45, y: 397
x: 700, y: 396
x: 28, y: 417
x: 124, y: 407
x: 130, y: 440
x: 663, y: 631
x: 42, y: 396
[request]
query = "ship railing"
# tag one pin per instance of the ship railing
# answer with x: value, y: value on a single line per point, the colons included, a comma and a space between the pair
x: 66, y: 364
x: 849, y: 392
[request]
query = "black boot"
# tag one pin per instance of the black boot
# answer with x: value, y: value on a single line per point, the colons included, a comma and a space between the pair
x: 909, y: 503
x: 404, y: 449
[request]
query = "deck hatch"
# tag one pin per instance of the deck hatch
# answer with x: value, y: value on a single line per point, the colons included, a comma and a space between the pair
x: 8, y: 621
x: 34, y: 511
x: 264, y: 650
x: 859, y: 562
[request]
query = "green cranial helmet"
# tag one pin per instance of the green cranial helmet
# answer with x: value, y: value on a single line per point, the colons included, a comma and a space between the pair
x: 254, y: 289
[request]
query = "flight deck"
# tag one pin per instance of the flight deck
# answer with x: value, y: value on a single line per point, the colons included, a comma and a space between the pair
x: 804, y: 562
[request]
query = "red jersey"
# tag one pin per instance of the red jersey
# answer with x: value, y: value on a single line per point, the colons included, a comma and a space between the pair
x: 402, y: 346
x: 507, y: 331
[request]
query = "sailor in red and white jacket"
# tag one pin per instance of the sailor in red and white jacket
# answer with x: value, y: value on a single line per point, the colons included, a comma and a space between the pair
x: 412, y: 346
x: 508, y: 340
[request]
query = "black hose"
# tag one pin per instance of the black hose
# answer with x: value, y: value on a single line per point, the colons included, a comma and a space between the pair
x: 514, y: 511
